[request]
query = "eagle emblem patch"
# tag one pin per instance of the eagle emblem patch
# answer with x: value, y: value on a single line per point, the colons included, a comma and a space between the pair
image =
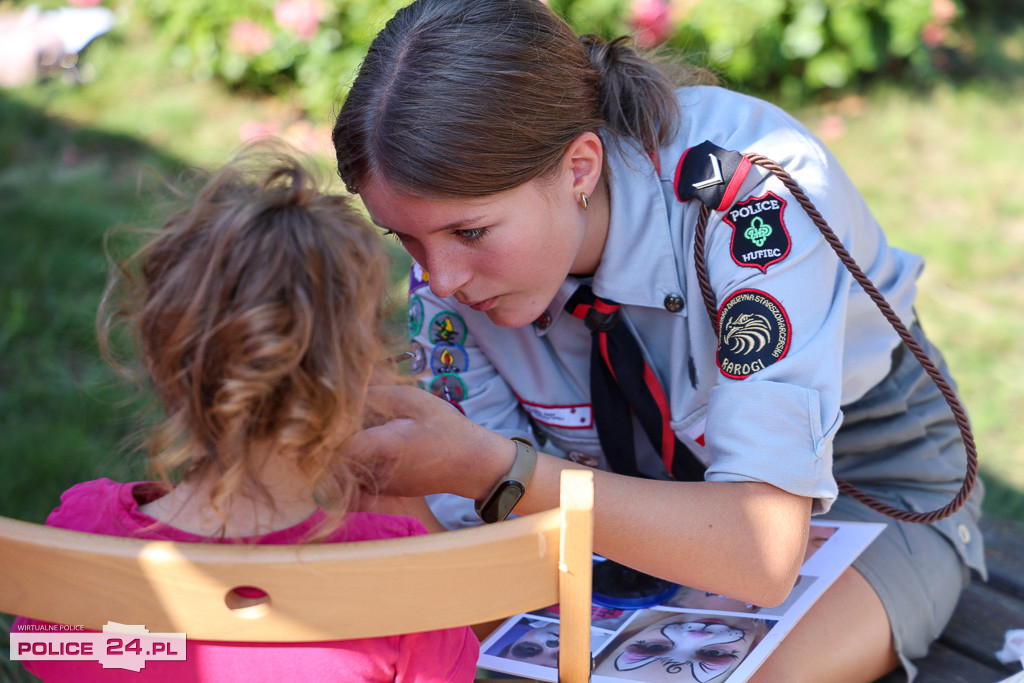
x: 753, y: 333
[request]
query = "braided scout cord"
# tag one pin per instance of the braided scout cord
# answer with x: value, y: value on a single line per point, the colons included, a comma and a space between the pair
x: 926, y: 362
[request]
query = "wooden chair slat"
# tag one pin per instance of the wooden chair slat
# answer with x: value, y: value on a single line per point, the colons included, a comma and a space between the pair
x: 318, y: 591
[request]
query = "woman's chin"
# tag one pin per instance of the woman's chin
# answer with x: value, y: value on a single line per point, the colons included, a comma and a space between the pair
x: 503, y: 316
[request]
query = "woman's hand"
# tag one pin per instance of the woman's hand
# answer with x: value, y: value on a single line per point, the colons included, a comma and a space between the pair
x: 706, y: 535
x: 425, y: 445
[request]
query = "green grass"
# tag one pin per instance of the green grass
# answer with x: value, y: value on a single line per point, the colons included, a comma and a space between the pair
x: 941, y: 172
x: 61, y: 187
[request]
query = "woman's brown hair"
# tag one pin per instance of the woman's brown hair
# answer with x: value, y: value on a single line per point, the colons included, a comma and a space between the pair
x: 257, y: 313
x: 463, y: 98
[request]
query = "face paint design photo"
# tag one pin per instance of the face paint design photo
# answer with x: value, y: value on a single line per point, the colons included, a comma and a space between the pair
x: 816, y: 538
x: 682, y: 647
x: 531, y: 641
x: 697, y: 599
x: 537, y: 646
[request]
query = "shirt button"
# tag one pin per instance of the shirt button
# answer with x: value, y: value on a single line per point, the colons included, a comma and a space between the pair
x: 544, y: 321
x: 964, y: 533
x: 674, y: 303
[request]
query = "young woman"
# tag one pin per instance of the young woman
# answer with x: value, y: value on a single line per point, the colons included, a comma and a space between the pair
x: 257, y: 314
x: 528, y: 171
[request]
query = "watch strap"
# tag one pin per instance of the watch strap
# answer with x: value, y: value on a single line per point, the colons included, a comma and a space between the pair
x: 521, y: 471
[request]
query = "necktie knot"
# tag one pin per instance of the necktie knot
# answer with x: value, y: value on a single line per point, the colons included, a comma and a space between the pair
x: 599, y: 315
x: 597, y: 321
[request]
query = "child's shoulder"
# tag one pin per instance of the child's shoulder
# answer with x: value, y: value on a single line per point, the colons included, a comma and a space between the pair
x: 97, y: 506
x: 372, y: 526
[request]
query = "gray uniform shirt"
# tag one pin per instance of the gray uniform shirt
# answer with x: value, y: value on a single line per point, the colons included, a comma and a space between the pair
x: 772, y: 421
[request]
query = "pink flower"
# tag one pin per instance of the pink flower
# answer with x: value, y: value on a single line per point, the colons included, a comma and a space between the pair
x: 832, y: 127
x: 652, y: 21
x: 934, y: 34
x: 301, y: 17
x: 936, y: 31
x: 249, y: 38
x: 312, y: 140
x: 251, y: 130
x: 943, y: 11
x: 84, y: 3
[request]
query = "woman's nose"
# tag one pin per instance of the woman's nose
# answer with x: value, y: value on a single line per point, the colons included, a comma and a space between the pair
x: 447, y: 276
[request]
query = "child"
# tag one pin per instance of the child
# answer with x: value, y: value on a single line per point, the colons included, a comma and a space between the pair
x: 257, y: 315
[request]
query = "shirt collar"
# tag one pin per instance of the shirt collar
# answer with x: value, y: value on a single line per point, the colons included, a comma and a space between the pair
x: 638, y: 264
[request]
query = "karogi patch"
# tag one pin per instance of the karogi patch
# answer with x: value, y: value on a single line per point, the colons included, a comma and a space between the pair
x: 753, y: 333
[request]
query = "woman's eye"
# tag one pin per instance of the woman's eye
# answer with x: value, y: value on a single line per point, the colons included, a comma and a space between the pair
x: 471, y: 235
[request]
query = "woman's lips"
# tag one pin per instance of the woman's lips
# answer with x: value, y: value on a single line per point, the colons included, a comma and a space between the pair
x: 484, y: 305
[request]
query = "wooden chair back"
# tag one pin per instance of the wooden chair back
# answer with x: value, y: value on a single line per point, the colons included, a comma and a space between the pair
x: 317, y: 591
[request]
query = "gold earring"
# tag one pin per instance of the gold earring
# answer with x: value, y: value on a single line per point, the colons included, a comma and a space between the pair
x: 584, y: 202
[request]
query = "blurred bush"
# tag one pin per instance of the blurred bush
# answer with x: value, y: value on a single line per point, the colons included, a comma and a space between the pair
x: 302, y: 50
x: 307, y: 50
x: 798, y: 47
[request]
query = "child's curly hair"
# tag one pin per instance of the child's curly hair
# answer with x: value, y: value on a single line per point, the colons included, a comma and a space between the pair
x: 257, y: 312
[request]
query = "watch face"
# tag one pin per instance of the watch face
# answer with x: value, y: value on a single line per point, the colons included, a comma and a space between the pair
x: 502, y: 502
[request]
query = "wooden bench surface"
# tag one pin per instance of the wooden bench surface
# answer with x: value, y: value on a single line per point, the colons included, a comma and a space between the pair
x: 966, y: 651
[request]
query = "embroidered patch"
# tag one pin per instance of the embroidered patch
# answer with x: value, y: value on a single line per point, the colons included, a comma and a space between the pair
x: 447, y: 358
x: 447, y: 327
x: 759, y: 235
x: 449, y: 387
x: 567, y: 417
x: 711, y: 174
x: 415, y: 322
x: 417, y: 277
x: 754, y: 332
x: 419, y: 358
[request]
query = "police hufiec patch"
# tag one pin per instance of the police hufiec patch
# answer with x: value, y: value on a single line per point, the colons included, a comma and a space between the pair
x: 753, y: 333
x: 759, y: 235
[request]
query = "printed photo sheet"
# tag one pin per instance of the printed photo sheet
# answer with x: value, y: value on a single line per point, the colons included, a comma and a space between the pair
x: 690, y: 636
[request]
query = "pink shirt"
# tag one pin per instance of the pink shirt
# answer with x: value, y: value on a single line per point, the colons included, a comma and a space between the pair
x: 107, y: 507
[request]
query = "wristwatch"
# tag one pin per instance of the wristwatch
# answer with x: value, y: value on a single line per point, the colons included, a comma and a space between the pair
x: 498, y: 504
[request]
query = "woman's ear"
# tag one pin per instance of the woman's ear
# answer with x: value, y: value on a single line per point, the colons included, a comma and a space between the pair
x: 585, y: 158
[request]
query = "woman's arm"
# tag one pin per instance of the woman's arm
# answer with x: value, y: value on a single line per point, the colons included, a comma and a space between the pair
x: 745, y: 540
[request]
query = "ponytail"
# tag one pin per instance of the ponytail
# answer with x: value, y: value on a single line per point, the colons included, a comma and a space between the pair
x: 636, y: 94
